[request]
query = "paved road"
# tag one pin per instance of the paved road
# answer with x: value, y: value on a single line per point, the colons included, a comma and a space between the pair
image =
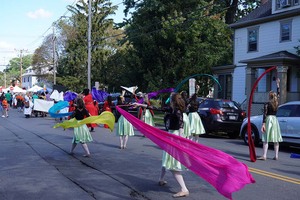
x: 35, y: 164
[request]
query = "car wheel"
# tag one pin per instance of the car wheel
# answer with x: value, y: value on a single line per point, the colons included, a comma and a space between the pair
x: 254, y: 134
x: 233, y: 135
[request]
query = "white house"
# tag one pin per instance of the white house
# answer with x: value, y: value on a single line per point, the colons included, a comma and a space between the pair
x: 265, y: 38
x: 29, y: 78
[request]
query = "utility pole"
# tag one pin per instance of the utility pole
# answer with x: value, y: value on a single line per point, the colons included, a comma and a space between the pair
x: 4, y: 79
x: 54, y: 60
x: 89, y: 44
x: 21, y: 63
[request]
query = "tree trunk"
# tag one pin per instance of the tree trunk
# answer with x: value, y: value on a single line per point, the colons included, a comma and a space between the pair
x: 230, y: 14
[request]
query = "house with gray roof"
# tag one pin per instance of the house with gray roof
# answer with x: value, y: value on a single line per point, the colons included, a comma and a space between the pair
x: 30, y: 77
x: 267, y: 37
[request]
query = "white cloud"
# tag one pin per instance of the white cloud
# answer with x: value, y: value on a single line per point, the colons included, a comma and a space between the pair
x: 40, y: 13
x: 5, y: 45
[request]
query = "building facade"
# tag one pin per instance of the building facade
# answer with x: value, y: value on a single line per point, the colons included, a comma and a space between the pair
x: 29, y: 78
x: 267, y: 37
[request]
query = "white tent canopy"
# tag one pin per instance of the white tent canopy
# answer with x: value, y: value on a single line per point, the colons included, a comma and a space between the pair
x: 15, y: 89
x: 35, y: 88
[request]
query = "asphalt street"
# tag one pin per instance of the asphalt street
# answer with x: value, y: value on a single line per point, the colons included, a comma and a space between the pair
x: 35, y: 164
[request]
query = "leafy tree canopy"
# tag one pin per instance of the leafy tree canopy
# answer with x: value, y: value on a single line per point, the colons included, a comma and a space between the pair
x: 173, y: 40
x: 13, y: 70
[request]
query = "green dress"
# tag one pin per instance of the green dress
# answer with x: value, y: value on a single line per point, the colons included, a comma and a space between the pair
x: 168, y: 161
x: 273, y: 132
x: 81, y: 133
x: 124, y: 127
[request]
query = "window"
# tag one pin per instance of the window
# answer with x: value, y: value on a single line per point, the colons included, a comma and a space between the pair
x: 252, y: 39
x: 285, y: 31
x: 282, y: 4
x: 285, y: 111
x: 226, y: 81
x: 296, y: 112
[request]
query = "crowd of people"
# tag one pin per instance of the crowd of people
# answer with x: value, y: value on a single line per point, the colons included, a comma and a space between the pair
x: 19, y: 101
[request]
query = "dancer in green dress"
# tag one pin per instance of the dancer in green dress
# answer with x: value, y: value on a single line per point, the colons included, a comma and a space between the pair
x: 270, y: 127
x: 196, y: 126
x: 176, y: 110
x: 124, y: 127
x: 82, y: 134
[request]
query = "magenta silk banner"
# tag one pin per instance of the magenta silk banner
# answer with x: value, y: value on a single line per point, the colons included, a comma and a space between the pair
x: 221, y: 170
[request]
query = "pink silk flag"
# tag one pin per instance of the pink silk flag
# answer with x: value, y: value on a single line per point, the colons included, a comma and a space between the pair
x: 221, y: 170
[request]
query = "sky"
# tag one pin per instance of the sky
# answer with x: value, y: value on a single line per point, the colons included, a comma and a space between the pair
x: 25, y: 23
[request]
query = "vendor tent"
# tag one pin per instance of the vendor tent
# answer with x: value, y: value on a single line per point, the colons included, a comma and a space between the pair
x: 15, y: 89
x: 35, y: 88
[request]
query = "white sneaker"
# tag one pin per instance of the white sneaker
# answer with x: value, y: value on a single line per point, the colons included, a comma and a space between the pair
x: 3, y: 116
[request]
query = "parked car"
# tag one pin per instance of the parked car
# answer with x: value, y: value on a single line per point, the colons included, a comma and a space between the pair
x: 221, y: 115
x: 288, y: 116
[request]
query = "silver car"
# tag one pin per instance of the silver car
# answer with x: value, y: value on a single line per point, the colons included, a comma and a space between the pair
x: 288, y: 116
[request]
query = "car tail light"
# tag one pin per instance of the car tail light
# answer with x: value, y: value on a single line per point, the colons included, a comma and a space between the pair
x: 243, y: 114
x: 215, y: 111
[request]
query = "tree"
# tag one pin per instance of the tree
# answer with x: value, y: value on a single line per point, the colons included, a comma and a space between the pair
x: 42, y: 60
x: 13, y: 71
x: 236, y: 9
x: 233, y: 9
x: 174, y: 39
x: 73, y: 60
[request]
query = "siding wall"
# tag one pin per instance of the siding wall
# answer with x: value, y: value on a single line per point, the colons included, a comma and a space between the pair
x: 268, y: 43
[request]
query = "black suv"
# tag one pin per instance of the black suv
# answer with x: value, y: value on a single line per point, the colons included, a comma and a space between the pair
x: 221, y: 115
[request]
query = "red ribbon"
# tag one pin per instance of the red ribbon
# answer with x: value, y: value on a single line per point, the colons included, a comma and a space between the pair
x: 250, y: 141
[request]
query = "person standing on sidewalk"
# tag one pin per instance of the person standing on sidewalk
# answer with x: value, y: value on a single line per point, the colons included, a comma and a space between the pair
x: 1, y: 99
x: 5, y: 106
x: 28, y: 105
x: 8, y: 97
x: 270, y: 127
